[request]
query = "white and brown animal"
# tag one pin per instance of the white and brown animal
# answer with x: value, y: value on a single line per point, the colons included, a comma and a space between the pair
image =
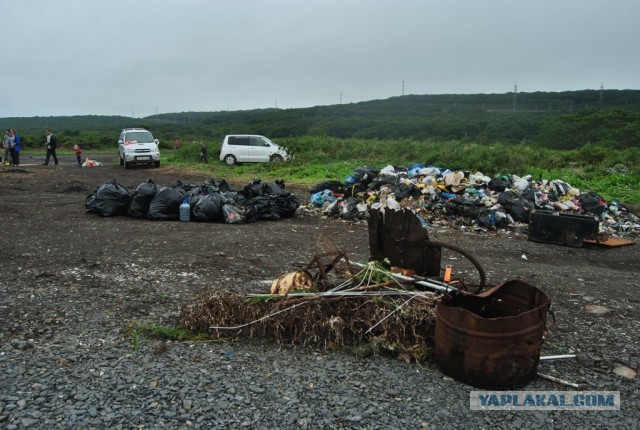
x: 291, y: 281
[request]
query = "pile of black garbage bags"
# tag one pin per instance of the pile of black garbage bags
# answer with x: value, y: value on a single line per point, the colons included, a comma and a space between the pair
x: 211, y: 201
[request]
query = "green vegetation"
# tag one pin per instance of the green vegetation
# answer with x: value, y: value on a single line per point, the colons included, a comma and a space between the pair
x: 155, y: 331
x: 615, y: 174
x: 588, y: 138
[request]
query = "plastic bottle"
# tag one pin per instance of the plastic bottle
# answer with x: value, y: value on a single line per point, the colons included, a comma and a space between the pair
x: 185, y: 211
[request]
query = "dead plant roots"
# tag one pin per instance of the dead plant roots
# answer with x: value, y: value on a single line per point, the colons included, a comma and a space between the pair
x: 404, y: 328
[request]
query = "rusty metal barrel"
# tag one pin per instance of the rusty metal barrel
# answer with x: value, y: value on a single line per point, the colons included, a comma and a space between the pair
x: 492, y: 340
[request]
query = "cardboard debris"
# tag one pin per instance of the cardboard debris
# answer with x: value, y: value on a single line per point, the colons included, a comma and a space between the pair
x: 612, y: 242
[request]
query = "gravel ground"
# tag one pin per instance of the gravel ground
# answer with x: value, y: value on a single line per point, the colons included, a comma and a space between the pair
x: 72, y: 283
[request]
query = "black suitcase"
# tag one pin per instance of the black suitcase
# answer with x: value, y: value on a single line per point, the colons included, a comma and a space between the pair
x: 562, y: 229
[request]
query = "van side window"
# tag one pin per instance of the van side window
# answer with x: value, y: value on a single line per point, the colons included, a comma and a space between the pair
x: 257, y: 141
x: 243, y: 141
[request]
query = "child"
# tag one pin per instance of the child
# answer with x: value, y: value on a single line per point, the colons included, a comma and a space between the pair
x: 78, y: 155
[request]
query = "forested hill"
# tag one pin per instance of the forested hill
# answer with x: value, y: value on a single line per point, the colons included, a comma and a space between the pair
x: 564, y: 120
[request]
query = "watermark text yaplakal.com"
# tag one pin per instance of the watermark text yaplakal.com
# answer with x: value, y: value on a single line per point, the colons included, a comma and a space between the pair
x: 544, y: 400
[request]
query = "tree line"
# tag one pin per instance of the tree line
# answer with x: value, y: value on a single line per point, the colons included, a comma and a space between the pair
x: 563, y: 120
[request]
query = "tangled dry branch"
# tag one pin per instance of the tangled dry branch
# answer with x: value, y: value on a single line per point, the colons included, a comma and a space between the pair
x: 393, y: 324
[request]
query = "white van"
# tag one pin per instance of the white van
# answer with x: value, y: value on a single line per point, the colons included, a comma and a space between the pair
x: 137, y: 146
x: 251, y: 148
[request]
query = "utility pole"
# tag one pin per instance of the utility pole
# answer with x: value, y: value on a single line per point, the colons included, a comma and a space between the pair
x: 515, y: 96
x: 403, y: 87
x: 601, y: 93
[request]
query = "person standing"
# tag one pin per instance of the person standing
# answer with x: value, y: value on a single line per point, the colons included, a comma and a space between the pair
x: 52, y: 144
x: 15, y: 148
x: 203, y: 153
x: 177, y: 144
x: 6, y: 147
x: 78, y: 151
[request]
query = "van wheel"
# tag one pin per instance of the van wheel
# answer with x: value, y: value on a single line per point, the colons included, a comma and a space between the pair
x: 121, y: 160
x: 277, y: 158
x: 230, y: 160
x: 156, y: 163
x: 126, y: 164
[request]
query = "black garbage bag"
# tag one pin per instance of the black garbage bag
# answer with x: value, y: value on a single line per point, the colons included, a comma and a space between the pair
x: 200, y: 190
x: 491, y: 219
x: 499, y: 185
x: 515, y: 205
x: 90, y: 204
x: 379, y: 181
x: 256, y: 188
x: 333, y: 185
x: 275, y: 188
x: 112, y: 199
x: 365, y: 174
x: 262, y: 207
x: 404, y: 191
x: 141, y: 199
x: 207, y: 208
x: 182, y: 186
x: 234, y: 213
x: 165, y: 205
x: 217, y: 185
x: 460, y: 206
x: 356, y: 189
x: 592, y: 202
x: 286, y: 204
x: 234, y: 197
x: 348, y: 209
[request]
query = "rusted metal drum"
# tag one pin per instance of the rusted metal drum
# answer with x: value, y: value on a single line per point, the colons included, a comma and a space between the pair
x: 492, y: 340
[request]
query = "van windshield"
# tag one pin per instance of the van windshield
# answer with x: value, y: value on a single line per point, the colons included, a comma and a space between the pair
x: 139, y: 136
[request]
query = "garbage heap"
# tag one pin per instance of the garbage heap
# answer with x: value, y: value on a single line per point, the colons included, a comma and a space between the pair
x: 463, y: 199
x: 211, y: 201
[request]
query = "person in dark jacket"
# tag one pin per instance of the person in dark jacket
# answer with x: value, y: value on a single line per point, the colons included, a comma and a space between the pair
x: 52, y: 144
x: 14, y: 147
x: 17, y: 149
x: 203, y: 153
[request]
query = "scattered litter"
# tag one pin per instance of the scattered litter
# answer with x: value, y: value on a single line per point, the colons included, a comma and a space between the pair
x: 557, y: 357
x: 625, y: 372
x: 611, y: 242
x: 561, y: 381
x: 597, y: 309
x: 464, y: 200
x: 91, y: 163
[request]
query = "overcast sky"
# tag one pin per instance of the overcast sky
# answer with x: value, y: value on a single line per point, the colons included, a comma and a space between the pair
x: 139, y: 57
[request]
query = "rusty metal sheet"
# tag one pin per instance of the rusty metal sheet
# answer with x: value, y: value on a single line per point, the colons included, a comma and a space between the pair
x: 400, y: 237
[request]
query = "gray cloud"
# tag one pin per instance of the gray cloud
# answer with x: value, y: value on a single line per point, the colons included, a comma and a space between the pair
x: 74, y: 57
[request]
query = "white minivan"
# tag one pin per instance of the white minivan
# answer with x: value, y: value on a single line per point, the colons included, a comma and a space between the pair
x: 138, y: 146
x: 251, y: 148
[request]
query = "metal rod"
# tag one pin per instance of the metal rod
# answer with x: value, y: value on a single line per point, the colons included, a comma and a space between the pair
x: 557, y: 357
x: 432, y: 284
x: 352, y: 294
x: 561, y: 381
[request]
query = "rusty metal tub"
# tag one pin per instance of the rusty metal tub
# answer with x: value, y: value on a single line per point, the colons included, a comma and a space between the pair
x: 492, y: 340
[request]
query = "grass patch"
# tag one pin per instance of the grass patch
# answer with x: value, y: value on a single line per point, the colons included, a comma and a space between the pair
x: 155, y: 331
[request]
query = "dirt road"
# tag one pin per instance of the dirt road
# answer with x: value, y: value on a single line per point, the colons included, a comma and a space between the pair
x: 64, y: 270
